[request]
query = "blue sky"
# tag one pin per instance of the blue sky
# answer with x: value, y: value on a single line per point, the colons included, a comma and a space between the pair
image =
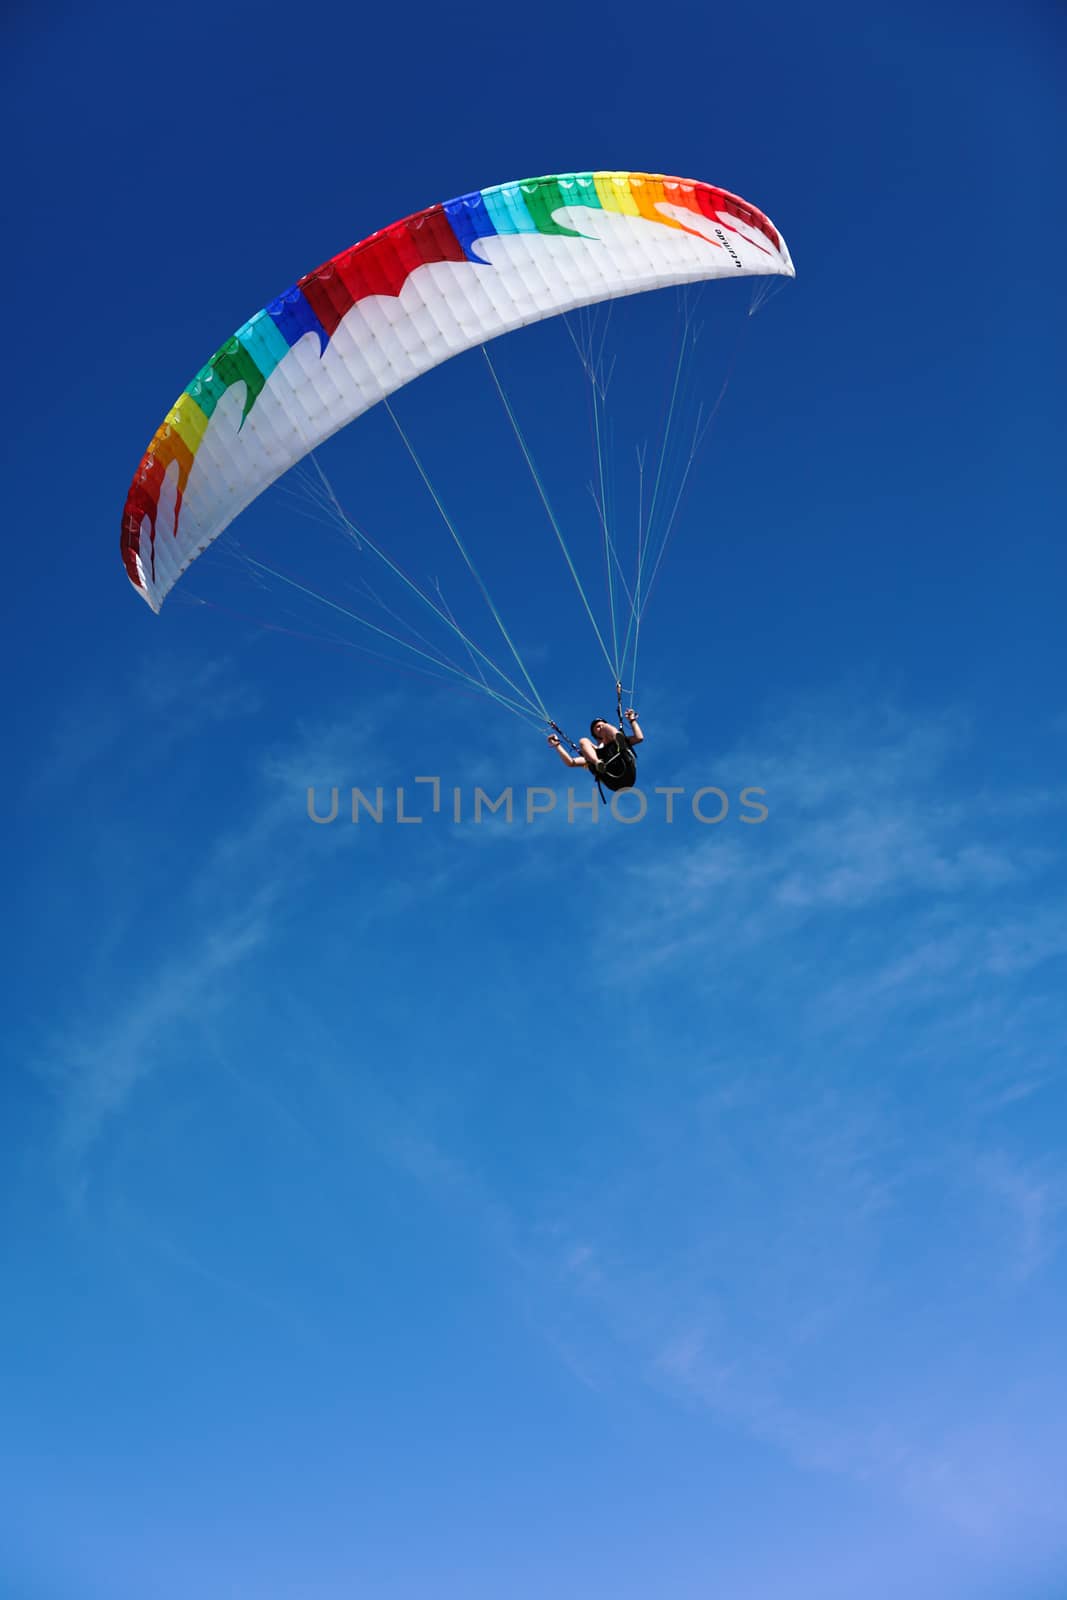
x: 540, y: 1209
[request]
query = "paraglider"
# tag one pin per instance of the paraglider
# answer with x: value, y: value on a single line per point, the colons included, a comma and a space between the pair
x: 608, y: 754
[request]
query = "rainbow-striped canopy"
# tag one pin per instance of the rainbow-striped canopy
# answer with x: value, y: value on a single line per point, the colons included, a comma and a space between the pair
x: 398, y: 303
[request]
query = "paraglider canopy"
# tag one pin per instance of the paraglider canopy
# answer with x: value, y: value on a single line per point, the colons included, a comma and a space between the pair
x: 380, y: 314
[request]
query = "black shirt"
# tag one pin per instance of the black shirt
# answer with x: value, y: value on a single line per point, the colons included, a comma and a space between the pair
x: 616, y: 759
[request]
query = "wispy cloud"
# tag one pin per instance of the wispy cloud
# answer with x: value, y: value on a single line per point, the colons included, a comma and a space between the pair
x: 1031, y: 1203
x: 154, y: 715
x: 173, y: 955
x: 96, y: 1071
